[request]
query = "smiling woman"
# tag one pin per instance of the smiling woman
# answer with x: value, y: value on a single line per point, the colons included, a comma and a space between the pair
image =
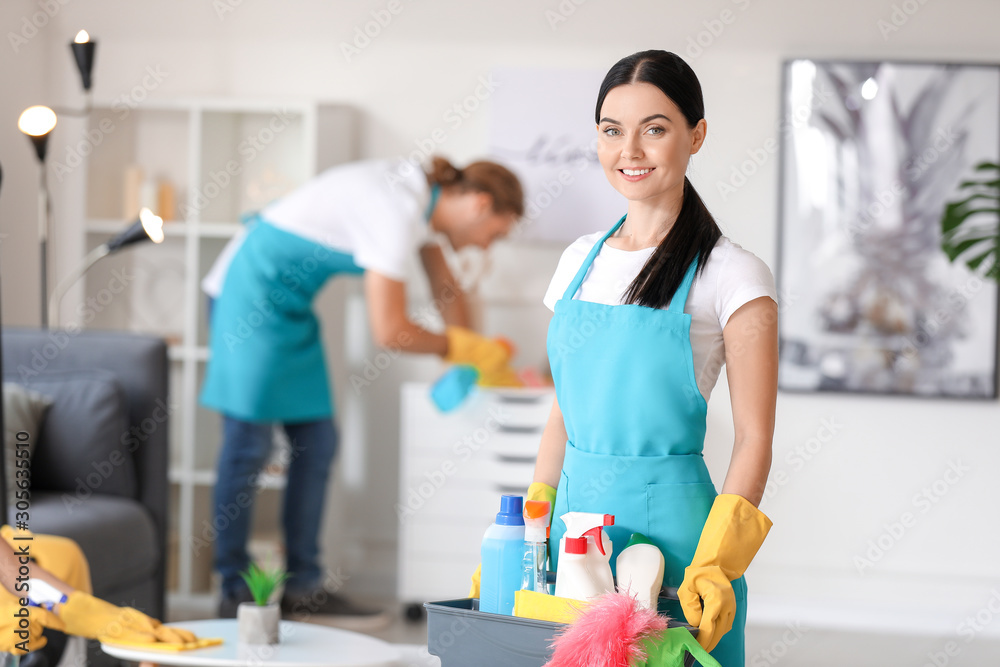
x: 645, y: 316
x: 651, y: 119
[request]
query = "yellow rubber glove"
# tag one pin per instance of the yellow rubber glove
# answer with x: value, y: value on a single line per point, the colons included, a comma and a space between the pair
x: 90, y: 617
x: 733, y: 533
x: 537, y: 491
x: 467, y: 347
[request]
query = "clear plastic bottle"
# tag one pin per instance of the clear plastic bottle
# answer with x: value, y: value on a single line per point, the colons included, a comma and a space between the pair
x: 536, y: 531
x: 502, y: 555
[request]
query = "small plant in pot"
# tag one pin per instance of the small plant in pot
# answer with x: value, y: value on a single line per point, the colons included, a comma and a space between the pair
x: 257, y: 621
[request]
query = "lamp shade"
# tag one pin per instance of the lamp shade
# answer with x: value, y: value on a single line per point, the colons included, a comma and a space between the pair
x: 37, y: 123
x: 83, y: 52
x: 149, y: 227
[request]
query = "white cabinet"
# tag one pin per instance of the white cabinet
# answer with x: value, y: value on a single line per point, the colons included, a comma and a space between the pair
x: 453, y: 469
x: 223, y: 158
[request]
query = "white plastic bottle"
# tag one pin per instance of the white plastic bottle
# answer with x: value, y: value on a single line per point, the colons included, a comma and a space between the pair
x: 584, y: 569
x: 640, y: 568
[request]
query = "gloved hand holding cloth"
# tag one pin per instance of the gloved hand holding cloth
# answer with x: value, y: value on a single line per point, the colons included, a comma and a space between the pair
x: 84, y: 615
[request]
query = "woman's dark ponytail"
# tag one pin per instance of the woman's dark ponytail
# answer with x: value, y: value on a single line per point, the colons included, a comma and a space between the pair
x: 695, y: 232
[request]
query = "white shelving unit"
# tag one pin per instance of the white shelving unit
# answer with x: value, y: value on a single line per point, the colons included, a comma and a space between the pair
x: 224, y: 158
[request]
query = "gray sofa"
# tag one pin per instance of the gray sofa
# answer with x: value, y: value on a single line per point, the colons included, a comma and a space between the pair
x: 99, y: 469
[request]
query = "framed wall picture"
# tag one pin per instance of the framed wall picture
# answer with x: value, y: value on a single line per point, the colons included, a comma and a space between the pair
x: 877, y: 300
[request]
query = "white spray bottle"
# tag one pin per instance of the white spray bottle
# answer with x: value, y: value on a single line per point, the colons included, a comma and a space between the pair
x: 584, y: 556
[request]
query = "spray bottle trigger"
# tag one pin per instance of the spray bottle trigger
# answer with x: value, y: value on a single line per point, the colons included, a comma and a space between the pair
x: 595, y: 532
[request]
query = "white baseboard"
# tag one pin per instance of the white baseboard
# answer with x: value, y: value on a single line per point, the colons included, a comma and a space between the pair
x: 935, y: 618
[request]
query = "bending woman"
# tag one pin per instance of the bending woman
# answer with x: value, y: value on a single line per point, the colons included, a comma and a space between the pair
x: 267, y: 365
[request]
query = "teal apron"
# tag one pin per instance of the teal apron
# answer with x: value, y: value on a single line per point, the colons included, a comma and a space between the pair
x: 266, y: 359
x: 635, y: 421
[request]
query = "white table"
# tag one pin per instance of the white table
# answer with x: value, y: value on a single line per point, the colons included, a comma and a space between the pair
x: 302, y: 645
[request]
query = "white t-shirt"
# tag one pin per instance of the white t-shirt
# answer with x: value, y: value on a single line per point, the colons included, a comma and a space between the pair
x: 372, y: 210
x: 731, y: 277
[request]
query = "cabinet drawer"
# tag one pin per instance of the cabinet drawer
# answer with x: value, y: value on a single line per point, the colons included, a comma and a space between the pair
x: 527, y: 408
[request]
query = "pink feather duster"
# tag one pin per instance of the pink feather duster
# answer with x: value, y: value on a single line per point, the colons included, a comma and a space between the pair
x: 610, y: 633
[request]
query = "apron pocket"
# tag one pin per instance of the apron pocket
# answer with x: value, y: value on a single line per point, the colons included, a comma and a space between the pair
x: 675, y: 515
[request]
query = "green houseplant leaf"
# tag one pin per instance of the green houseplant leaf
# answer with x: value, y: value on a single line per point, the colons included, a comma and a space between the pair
x: 262, y: 583
x: 970, y: 227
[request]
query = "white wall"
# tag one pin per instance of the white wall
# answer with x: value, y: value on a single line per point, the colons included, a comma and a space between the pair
x: 884, y: 451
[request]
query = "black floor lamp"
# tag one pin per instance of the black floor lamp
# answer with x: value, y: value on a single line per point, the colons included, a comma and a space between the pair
x: 37, y: 122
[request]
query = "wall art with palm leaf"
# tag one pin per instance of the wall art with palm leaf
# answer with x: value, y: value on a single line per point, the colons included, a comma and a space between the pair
x: 888, y: 237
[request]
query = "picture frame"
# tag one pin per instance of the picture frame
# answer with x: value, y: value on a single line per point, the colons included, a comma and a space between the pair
x: 877, y: 295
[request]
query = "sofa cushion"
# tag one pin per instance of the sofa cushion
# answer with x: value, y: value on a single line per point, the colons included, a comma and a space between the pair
x: 116, y: 534
x: 81, y: 445
x: 23, y: 411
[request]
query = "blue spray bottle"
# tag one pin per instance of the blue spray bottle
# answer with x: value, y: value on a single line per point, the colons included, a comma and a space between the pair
x: 502, y: 553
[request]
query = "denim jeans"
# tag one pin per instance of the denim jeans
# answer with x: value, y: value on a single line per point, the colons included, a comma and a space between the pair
x: 245, y: 449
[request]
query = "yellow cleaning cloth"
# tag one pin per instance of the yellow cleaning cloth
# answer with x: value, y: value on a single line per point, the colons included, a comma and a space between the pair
x: 541, y: 607
x: 163, y: 646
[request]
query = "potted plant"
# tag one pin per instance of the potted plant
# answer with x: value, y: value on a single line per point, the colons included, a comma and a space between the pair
x: 257, y: 621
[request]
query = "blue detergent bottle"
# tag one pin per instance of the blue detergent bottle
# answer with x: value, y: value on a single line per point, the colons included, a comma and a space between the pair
x: 502, y: 553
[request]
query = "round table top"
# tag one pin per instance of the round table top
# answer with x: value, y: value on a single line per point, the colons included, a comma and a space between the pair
x: 302, y: 645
